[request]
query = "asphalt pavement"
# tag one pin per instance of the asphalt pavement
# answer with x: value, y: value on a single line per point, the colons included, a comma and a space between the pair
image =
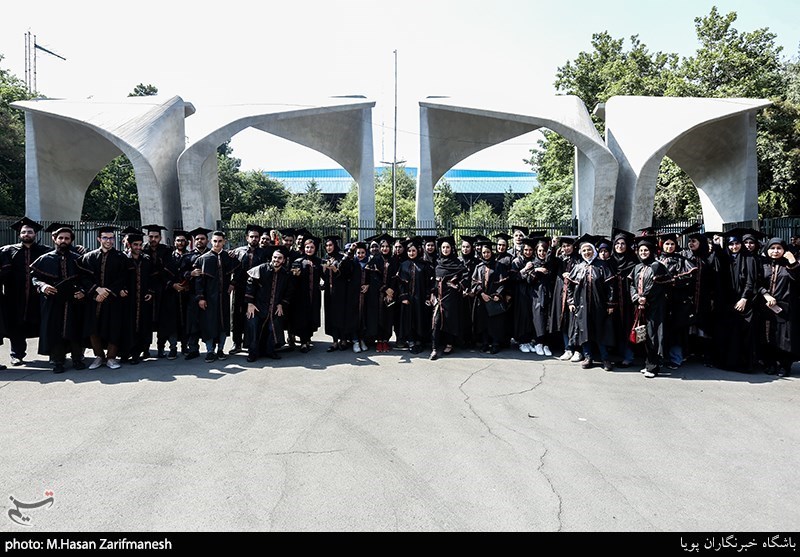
x: 396, y: 442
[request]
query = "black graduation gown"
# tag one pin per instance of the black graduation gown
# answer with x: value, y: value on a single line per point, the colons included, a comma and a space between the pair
x: 621, y: 267
x: 414, y: 283
x: 778, y: 279
x: 362, y: 312
x: 447, y: 287
x: 266, y: 289
x: 159, y: 258
x: 248, y: 258
x: 307, y: 298
x: 20, y: 300
x: 560, y: 316
x: 387, y: 270
x: 523, y: 330
x: 108, y: 270
x: 590, y: 288
x: 142, y: 280
x: 734, y: 338
x: 467, y: 301
x: 61, y: 315
x: 212, y: 286
x: 679, y: 298
x: 649, y: 280
x: 192, y: 309
x: 490, y: 278
x: 335, y: 275
x: 704, y: 292
x: 172, y: 311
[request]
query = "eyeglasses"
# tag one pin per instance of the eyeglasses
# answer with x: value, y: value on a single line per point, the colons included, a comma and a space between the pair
x: 107, y: 238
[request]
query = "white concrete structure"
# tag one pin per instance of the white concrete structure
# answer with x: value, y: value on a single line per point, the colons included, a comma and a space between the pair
x: 67, y: 142
x: 712, y: 140
x: 339, y: 127
x: 452, y: 130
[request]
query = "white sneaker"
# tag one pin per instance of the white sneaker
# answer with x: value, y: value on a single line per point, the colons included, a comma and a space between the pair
x: 576, y: 357
x: 546, y: 350
x: 113, y: 363
x: 525, y: 348
x: 566, y: 355
x: 97, y: 363
x: 356, y: 347
x: 363, y: 345
x: 539, y: 350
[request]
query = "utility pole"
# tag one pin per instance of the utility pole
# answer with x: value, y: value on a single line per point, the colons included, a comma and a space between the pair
x: 394, y: 156
x: 31, y: 47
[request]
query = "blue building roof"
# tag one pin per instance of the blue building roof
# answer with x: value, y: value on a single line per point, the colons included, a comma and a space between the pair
x: 336, y: 181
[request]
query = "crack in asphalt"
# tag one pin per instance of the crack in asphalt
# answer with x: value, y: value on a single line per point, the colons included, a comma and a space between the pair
x: 472, y: 408
x: 540, y: 469
x: 541, y: 379
x: 16, y: 379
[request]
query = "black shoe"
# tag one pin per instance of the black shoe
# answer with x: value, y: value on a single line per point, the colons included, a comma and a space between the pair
x: 58, y: 368
x: 135, y: 360
x: 211, y: 357
x: 173, y: 354
x: 587, y: 363
x: 78, y: 364
x: 332, y: 348
x: 191, y: 355
x: 3, y: 366
x: 251, y: 358
x: 16, y: 361
x: 607, y: 366
x: 671, y: 365
x: 434, y: 355
x: 304, y: 348
x: 273, y: 355
x: 235, y: 350
x: 495, y: 349
x: 160, y: 353
x: 221, y: 355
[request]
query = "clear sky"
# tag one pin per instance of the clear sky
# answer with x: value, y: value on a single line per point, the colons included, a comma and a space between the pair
x: 240, y: 51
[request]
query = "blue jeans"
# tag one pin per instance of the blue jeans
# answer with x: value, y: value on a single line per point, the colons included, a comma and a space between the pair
x: 676, y: 354
x: 587, y: 350
x: 210, y: 344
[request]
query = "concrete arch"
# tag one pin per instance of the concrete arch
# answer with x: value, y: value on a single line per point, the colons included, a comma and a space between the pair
x: 340, y: 128
x: 713, y: 140
x: 451, y: 131
x: 68, y: 142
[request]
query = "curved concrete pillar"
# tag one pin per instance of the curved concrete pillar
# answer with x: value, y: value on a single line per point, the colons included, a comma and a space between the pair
x: 340, y: 128
x: 713, y: 140
x: 68, y: 142
x: 451, y: 130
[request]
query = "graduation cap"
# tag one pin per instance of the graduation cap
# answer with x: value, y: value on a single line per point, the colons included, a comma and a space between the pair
x: 502, y: 235
x: 427, y: 239
x: 282, y: 249
x: 693, y: 230
x: 304, y: 232
x: 711, y: 233
x: 469, y: 239
x: 313, y: 239
x: 360, y: 245
x: 566, y: 240
x: 25, y: 221
x: 254, y: 228
x: 384, y: 238
x: 617, y: 233
x: 446, y: 239
x: 56, y: 226
x: 530, y: 242
x: 481, y: 238
x: 645, y: 240
x: 647, y: 231
x: 335, y: 238
x: 539, y: 234
x: 588, y: 239
x: 524, y: 229
x: 200, y: 231
x: 106, y: 228
x: 288, y: 232
x: 131, y: 230
x: 154, y: 228
x: 176, y: 233
x: 480, y: 244
x: 415, y: 241
x: 740, y: 233
x: 668, y: 236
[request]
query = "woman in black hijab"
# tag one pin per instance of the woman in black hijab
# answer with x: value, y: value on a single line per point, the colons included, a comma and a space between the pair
x: 489, y: 285
x: 735, y: 341
x: 335, y: 274
x: 307, y: 299
x: 621, y: 263
x: 679, y: 299
x: 387, y: 267
x: 706, y: 286
x: 470, y: 260
x: 778, y: 277
x: 648, y: 280
x: 449, y: 281
x: 414, y: 280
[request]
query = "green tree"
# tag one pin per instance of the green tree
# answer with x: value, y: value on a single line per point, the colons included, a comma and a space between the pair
x: 549, y: 202
x: 405, y: 193
x: 143, y: 90
x: 307, y: 206
x: 12, y: 145
x: 480, y: 211
x: 445, y: 204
